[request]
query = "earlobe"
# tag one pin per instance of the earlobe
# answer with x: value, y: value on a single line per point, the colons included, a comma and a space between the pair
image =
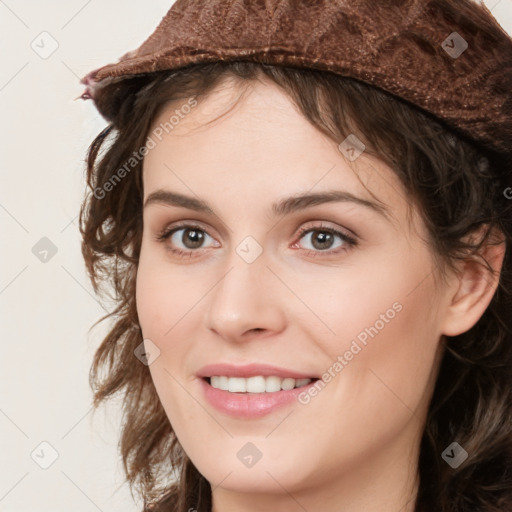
x: 473, y: 288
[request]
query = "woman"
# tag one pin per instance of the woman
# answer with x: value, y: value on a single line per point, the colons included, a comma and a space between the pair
x: 310, y: 253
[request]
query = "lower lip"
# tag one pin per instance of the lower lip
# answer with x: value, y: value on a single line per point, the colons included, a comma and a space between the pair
x: 250, y: 405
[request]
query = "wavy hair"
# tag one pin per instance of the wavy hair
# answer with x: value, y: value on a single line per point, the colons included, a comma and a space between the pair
x: 456, y: 185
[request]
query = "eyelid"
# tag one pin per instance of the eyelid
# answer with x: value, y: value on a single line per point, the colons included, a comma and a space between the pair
x: 320, y: 224
x: 349, y: 241
x: 168, y: 230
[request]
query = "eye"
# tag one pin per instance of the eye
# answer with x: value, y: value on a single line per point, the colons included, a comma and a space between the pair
x: 192, y: 238
x: 323, y: 238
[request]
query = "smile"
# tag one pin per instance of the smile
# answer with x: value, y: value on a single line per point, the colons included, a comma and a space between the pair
x: 256, y: 384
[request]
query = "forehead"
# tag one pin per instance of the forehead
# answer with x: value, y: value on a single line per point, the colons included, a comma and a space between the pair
x: 253, y: 140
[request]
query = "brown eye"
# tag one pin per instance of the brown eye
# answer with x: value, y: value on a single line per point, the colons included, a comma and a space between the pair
x: 322, y: 240
x: 184, y: 239
x: 192, y: 238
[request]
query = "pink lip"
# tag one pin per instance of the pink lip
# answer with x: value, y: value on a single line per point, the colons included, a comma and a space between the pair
x: 251, y: 370
x: 249, y: 405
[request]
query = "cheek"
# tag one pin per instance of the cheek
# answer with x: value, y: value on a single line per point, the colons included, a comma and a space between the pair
x: 381, y: 321
x: 164, y: 294
x: 161, y: 314
x: 388, y: 356
x: 365, y: 297
x: 149, y: 300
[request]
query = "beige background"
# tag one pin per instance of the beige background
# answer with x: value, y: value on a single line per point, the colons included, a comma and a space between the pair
x: 47, y: 307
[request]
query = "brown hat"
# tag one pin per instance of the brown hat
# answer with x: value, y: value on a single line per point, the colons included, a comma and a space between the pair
x: 448, y: 57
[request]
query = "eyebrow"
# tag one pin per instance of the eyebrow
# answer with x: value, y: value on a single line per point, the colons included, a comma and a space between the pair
x: 281, y: 207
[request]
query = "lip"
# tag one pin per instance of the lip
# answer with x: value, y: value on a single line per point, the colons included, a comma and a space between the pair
x: 250, y: 405
x: 251, y: 370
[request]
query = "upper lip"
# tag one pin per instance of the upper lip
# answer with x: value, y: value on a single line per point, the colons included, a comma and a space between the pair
x: 250, y: 370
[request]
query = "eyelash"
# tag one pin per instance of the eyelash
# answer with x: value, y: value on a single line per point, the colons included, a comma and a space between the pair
x: 350, y: 241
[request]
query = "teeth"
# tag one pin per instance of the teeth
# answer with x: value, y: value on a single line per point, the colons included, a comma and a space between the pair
x: 257, y: 384
x: 287, y: 384
x: 273, y: 384
x: 237, y: 385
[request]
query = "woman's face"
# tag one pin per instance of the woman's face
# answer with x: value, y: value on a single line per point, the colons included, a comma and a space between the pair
x: 266, y: 288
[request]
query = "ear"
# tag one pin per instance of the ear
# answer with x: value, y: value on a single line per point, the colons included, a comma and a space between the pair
x: 474, y: 285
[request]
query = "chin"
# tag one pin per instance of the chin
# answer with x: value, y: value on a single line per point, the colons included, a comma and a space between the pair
x: 260, y: 479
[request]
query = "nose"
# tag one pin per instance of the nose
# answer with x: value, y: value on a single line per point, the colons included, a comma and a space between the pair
x: 247, y: 301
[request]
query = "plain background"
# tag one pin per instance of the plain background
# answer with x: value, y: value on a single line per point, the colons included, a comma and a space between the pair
x: 46, y: 302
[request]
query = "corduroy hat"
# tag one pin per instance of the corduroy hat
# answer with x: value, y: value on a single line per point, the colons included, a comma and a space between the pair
x: 451, y: 58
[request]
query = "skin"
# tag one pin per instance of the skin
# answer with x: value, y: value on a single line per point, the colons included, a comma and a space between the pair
x: 355, y: 445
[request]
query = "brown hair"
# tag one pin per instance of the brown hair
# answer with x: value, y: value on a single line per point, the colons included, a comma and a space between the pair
x: 456, y: 186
